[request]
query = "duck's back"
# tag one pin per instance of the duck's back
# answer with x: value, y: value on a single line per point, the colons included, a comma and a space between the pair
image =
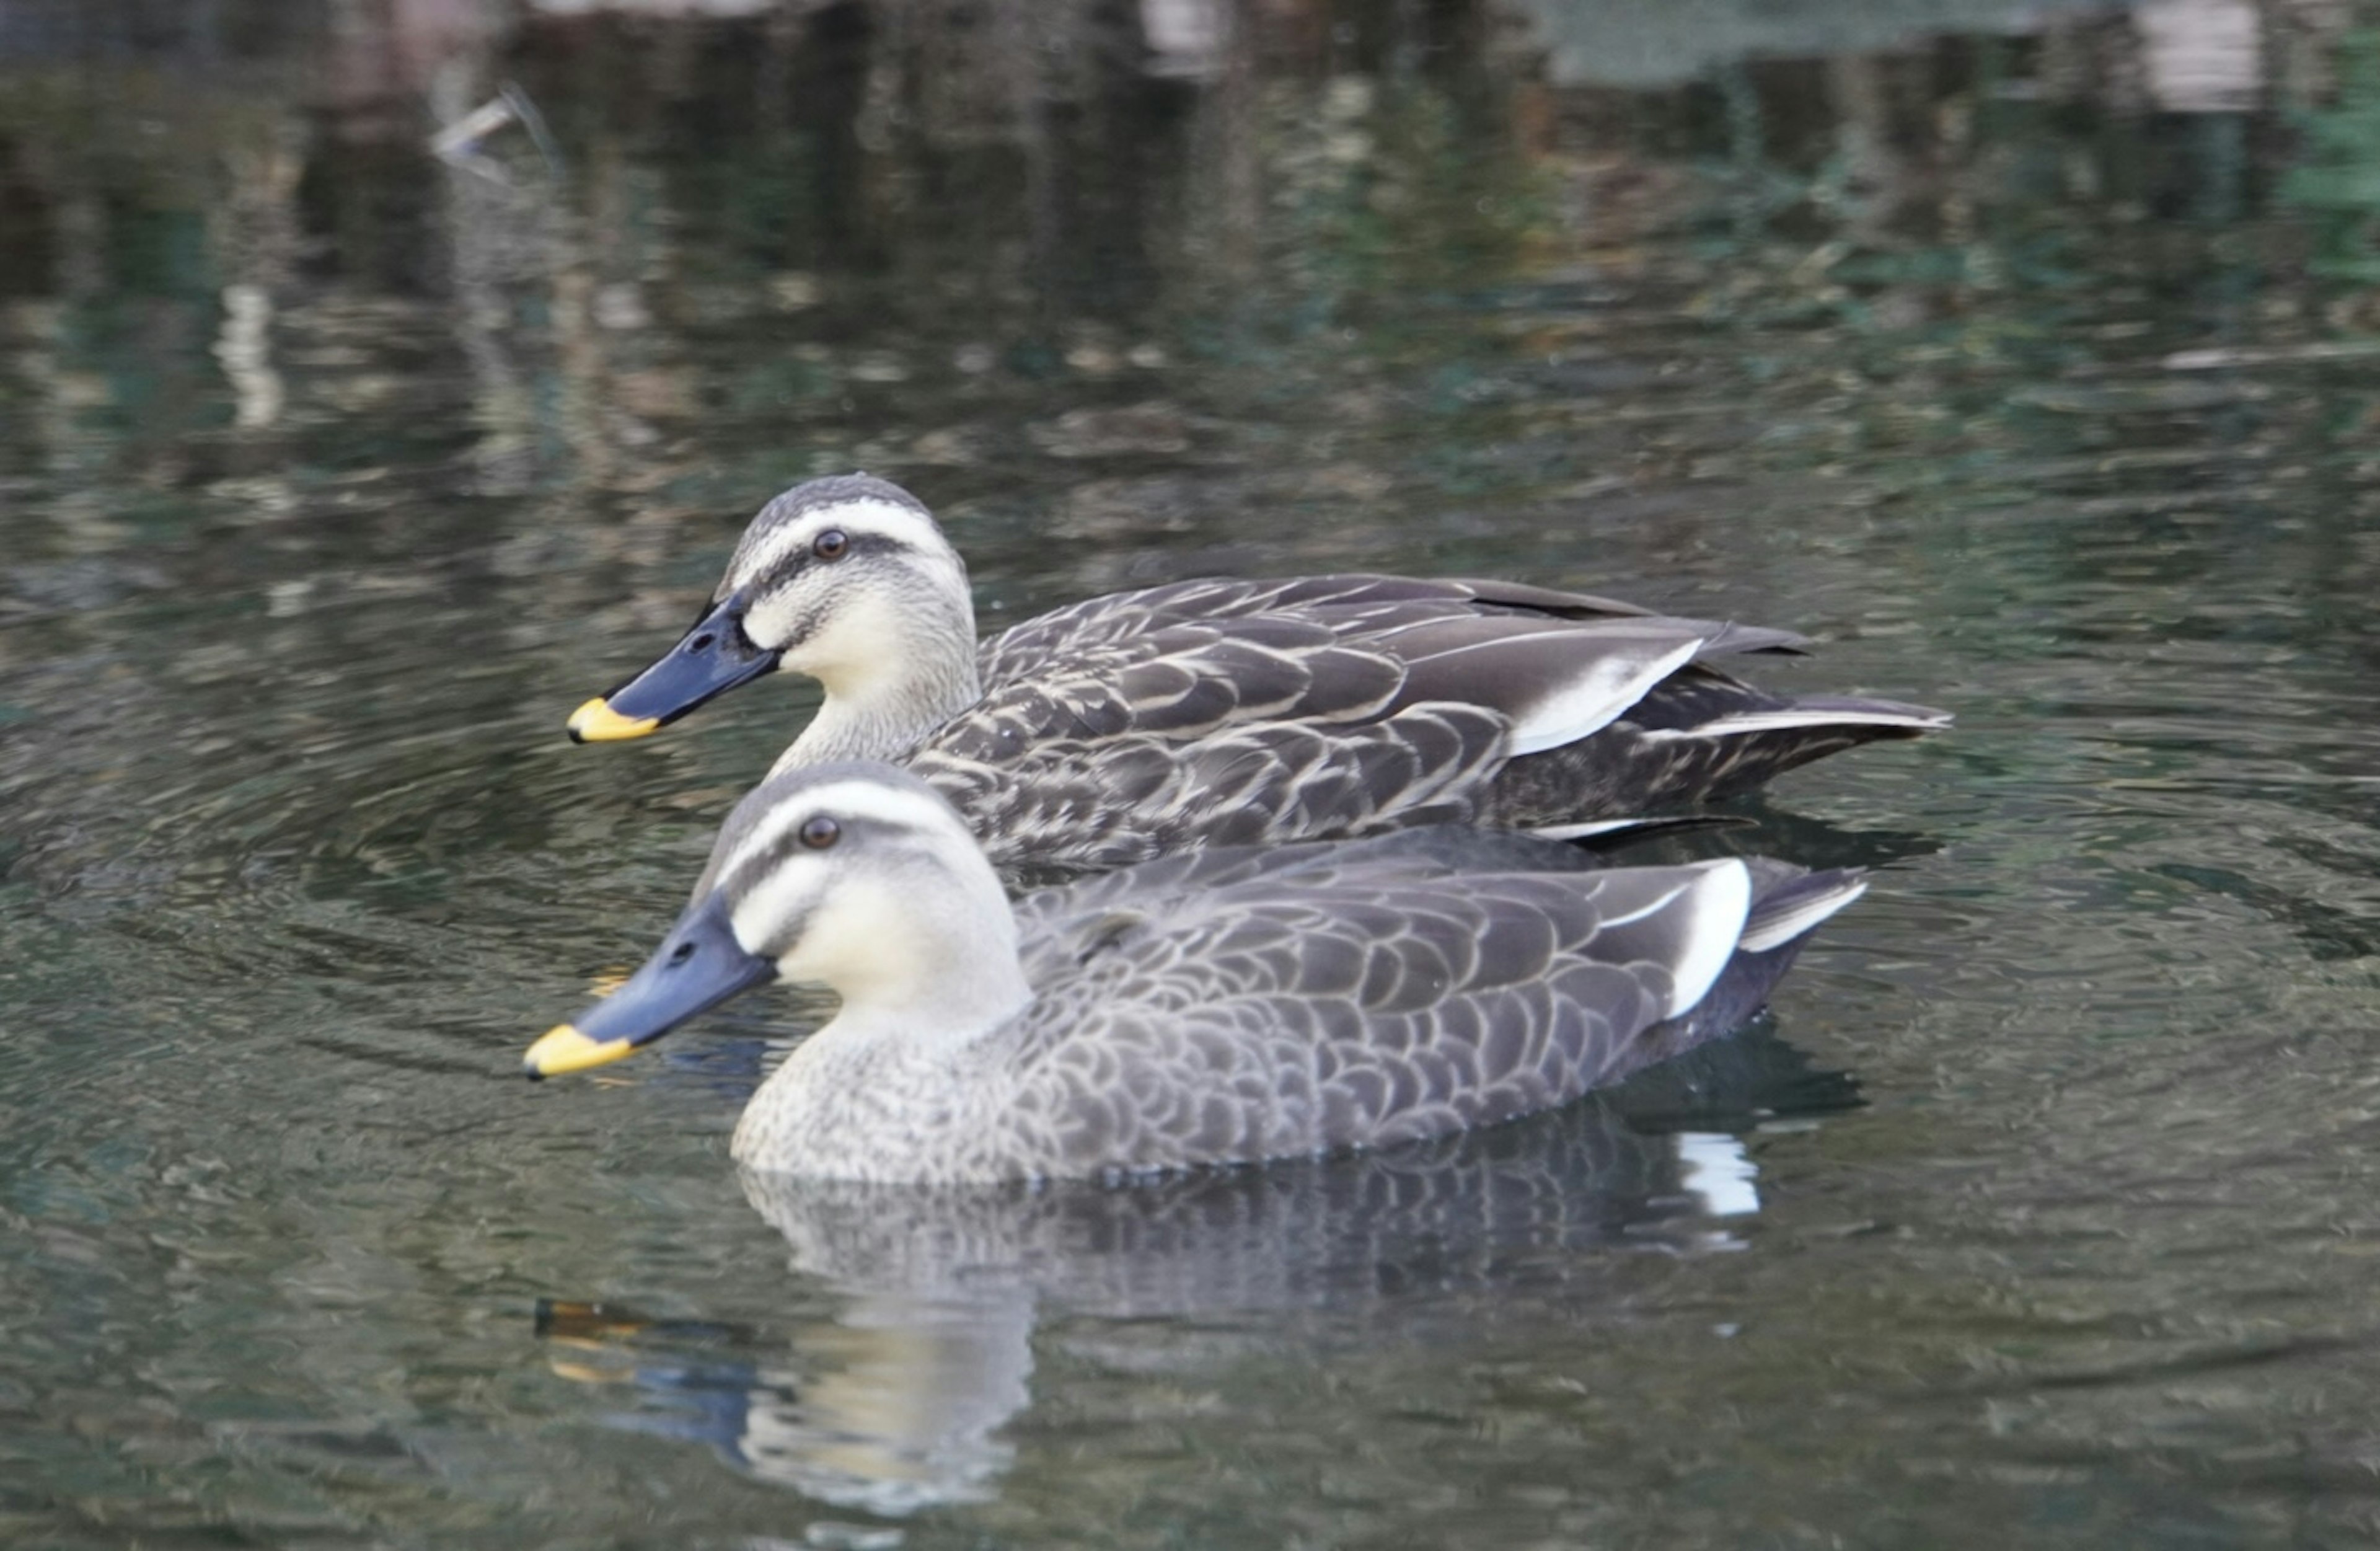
x: 1220, y: 713
x: 1216, y: 1009
x: 1352, y: 603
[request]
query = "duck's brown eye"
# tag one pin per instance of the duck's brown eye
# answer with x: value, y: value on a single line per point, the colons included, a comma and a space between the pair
x: 831, y: 545
x: 820, y: 832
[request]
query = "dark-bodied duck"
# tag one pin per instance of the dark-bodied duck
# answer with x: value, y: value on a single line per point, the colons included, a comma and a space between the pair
x: 1222, y: 1007
x: 1221, y: 712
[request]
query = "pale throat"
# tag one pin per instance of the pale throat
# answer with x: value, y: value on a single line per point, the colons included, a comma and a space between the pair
x: 890, y: 679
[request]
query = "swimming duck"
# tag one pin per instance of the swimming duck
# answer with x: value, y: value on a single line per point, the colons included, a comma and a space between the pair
x: 1221, y: 712
x: 1221, y: 1006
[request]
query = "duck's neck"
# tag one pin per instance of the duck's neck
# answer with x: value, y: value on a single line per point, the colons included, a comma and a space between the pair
x: 863, y: 1099
x: 890, y: 682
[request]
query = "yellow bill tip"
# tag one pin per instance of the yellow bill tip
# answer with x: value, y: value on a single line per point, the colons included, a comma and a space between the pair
x: 595, y: 722
x: 562, y: 1050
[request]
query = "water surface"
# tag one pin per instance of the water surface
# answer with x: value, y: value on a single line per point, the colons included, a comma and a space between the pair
x: 2023, y: 357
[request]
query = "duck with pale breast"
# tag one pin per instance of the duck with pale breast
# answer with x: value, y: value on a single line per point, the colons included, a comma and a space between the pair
x: 1221, y: 712
x: 1221, y: 1006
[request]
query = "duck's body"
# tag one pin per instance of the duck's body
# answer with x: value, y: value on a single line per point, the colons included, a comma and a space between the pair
x: 1225, y: 713
x: 1335, y: 1001
x: 1224, y: 1008
x: 1221, y: 712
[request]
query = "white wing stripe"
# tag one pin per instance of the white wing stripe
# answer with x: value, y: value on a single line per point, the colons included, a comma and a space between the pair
x: 1720, y: 900
x: 1595, y: 699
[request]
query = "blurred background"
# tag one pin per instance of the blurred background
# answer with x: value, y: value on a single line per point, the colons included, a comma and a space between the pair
x: 380, y: 378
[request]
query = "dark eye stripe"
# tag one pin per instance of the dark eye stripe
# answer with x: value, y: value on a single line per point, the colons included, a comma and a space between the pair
x: 856, y: 546
x: 882, y: 840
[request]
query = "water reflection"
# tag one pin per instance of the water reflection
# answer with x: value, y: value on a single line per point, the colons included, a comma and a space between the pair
x: 901, y: 1402
x: 2019, y: 353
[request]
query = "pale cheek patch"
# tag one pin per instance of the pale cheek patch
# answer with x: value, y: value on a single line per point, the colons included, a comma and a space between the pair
x: 767, y: 913
x: 773, y: 619
x: 861, y: 639
x: 863, y: 937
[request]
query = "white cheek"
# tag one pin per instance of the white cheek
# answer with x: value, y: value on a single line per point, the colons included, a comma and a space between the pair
x: 866, y: 940
x: 774, y: 618
x: 760, y: 916
x: 860, y: 639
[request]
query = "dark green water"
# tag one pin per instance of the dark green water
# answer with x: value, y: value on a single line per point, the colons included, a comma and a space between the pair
x: 2034, y: 375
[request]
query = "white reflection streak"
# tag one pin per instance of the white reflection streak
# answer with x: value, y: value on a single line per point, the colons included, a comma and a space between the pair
x: 245, y: 350
x: 2201, y: 55
x: 1714, y: 1169
x: 1186, y: 38
x: 904, y: 1412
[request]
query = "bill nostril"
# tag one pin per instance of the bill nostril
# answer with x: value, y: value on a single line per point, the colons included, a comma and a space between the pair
x: 702, y: 642
x: 681, y: 953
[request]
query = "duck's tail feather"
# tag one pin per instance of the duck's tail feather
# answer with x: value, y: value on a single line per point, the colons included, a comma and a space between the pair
x: 1882, y: 718
x: 1787, y: 908
x: 1787, y: 905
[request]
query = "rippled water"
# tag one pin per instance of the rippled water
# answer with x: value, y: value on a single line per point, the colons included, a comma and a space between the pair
x: 2025, y: 368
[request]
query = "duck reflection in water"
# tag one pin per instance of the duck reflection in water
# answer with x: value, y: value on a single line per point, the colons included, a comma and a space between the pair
x: 900, y: 1401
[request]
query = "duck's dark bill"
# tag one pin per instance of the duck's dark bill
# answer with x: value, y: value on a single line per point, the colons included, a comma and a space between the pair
x: 699, y: 965
x: 714, y: 657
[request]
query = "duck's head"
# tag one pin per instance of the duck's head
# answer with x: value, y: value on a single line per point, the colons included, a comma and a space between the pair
x: 855, y: 876
x: 847, y: 579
